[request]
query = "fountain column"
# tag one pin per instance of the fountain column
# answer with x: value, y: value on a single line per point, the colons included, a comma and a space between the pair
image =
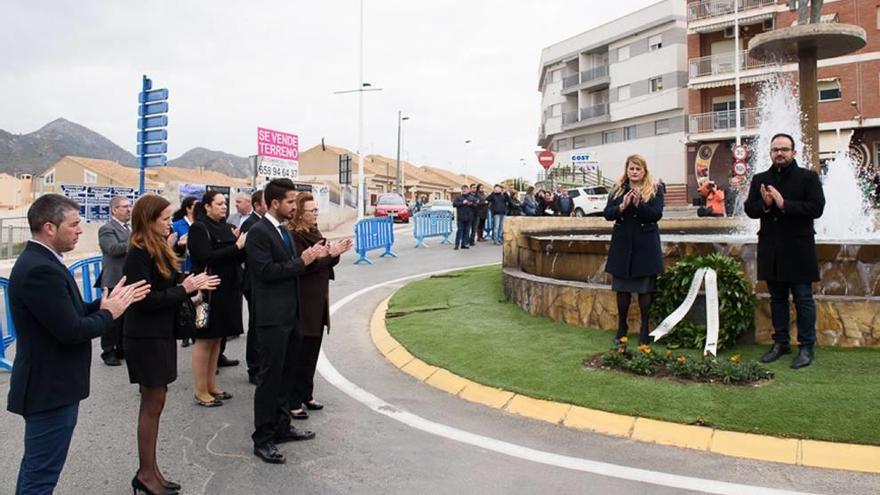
x: 808, y: 85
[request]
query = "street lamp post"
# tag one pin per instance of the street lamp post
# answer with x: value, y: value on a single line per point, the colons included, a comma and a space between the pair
x: 466, y: 143
x: 400, y: 119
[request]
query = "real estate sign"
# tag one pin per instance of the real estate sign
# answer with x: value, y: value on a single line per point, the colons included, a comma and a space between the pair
x: 279, y: 154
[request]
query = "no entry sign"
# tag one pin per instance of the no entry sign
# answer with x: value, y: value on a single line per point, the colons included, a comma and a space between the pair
x: 546, y: 159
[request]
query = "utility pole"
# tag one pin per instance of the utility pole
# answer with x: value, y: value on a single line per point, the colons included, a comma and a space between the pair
x: 400, y: 119
x: 736, y: 64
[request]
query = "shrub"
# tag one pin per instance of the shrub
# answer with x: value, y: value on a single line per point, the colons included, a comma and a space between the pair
x: 736, y: 301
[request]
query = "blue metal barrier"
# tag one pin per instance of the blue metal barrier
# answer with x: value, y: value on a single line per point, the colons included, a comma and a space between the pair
x: 90, y: 268
x: 373, y: 233
x: 432, y: 224
x: 7, y: 331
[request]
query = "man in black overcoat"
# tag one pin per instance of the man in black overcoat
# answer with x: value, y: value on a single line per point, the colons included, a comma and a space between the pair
x: 787, y: 198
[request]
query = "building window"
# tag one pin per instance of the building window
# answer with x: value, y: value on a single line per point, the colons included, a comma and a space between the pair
x: 609, y: 137
x: 656, y: 84
x: 655, y: 42
x: 829, y: 90
x: 661, y: 127
x: 579, y: 141
x: 49, y: 178
x: 556, y: 75
x: 629, y: 132
x: 89, y: 177
x: 556, y: 110
x: 436, y: 195
x: 563, y: 144
x: 623, y: 53
x: 623, y: 93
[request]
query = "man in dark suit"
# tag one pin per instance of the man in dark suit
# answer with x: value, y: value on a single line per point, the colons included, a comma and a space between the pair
x: 113, y: 239
x: 251, y: 355
x: 563, y: 205
x: 787, y: 198
x: 274, y: 268
x: 50, y: 375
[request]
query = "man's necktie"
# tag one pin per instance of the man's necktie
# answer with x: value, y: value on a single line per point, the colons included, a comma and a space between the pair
x: 286, y: 237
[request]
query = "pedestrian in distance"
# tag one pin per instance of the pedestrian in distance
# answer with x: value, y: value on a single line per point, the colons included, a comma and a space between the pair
x: 482, y: 213
x: 216, y: 250
x: 515, y: 209
x: 714, y: 200
x: 563, y: 205
x: 464, y: 207
x: 181, y: 220
x: 314, y: 302
x: 55, y: 327
x: 149, y: 329
x: 243, y: 209
x: 635, y: 205
x: 787, y: 199
x: 499, y: 205
x: 275, y: 268
x: 530, y: 203
x: 113, y: 240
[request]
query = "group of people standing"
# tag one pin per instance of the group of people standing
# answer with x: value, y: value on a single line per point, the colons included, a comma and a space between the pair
x: 274, y: 256
x: 786, y: 199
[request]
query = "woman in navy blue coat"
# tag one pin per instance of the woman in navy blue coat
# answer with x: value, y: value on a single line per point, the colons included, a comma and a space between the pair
x: 635, y: 205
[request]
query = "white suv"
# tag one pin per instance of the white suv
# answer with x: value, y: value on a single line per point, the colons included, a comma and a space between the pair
x: 588, y: 200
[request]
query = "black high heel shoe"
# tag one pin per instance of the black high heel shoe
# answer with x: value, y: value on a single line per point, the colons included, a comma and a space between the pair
x: 170, y: 485
x: 138, y: 487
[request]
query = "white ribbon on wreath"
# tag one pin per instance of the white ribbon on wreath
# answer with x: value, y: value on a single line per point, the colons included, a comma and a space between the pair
x: 711, y: 282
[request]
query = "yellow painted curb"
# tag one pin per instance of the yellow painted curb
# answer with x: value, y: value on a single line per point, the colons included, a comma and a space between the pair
x: 849, y: 457
x: 420, y: 369
x: 582, y: 418
x: 551, y: 412
x: 760, y: 447
x: 677, y: 435
x: 488, y: 396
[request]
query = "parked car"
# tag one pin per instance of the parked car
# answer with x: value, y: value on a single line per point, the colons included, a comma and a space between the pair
x: 392, y: 205
x: 588, y: 200
x: 440, y: 205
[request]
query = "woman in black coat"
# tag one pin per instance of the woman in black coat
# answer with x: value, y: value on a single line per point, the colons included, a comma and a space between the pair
x: 635, y: 205
x: 215, y: 249
x: 314, y: 302
x: 151, y: 352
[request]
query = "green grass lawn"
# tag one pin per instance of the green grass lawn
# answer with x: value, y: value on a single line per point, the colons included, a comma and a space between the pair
x: 463, y: 323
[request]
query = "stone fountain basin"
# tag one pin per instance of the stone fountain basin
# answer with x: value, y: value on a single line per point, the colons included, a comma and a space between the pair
x: 828, y: 39
x: 556, y: 268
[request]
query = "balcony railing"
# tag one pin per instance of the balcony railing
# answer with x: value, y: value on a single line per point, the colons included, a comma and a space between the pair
x: 569, y: 117
x: 594, y: 111
x: 714, y: 65
x: 702, y: 123
x: 705, y: 9
x: 570, y: 81
x: 585, y: 76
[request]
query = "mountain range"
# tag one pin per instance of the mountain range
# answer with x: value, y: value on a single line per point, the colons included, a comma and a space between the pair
x: 34, y: 152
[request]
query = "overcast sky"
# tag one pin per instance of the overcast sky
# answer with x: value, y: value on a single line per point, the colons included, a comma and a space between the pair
x: 461, y: 70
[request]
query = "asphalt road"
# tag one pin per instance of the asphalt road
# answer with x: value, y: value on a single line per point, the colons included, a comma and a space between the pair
x: 383, y: 431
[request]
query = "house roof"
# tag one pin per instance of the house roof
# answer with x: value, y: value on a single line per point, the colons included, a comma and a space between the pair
x: 195, y: 176
x: 110, y: 169
x: 456, y: 179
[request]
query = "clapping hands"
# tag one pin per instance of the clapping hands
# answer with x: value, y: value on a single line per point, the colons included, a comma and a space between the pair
x: 201, y: 281
x: 122, y: 296
x: 340, y: 247
x: 771, y: 195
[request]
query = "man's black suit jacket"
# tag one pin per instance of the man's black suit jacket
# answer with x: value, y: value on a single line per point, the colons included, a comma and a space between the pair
x: 54, y: 331
x: 245, y: 227
x: 274, y: 271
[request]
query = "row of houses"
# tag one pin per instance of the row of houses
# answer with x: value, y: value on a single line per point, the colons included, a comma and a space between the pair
x: 661, y: 82
x: 318, y: 165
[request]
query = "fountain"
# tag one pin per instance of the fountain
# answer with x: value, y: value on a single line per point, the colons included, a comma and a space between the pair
x: 556, y: 267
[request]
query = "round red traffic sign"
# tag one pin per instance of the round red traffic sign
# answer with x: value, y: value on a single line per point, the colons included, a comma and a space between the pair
x: 740, y: 152
x: 740, y: 168
x: 546, y: 159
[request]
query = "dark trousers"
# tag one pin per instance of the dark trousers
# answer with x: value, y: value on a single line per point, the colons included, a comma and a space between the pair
x: 111, y: 342
x: 304, y: 376
x: 477, y: 228
x: 806, y: 312
x: 47, y: 437
x: 462, y: 235
x: 251, y: 353
x: 278, y: 350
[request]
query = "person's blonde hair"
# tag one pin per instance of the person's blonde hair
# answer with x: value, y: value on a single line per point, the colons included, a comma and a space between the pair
x: 298, y: 223
x: 648, y: 188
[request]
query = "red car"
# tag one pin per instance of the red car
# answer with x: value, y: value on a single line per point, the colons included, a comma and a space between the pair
x: 392, y: 205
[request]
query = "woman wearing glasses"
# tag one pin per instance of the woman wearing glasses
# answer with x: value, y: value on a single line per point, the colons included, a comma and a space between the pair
x: 314, y: 303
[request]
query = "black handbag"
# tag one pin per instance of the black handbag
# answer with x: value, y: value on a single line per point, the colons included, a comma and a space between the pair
x: 185, y: 320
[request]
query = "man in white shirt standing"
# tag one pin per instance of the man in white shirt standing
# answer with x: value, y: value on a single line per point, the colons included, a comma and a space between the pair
x: 243, y: 210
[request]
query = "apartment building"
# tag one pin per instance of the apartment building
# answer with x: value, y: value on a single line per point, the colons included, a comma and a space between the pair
x: 620, y: 89
x: 849, y: 86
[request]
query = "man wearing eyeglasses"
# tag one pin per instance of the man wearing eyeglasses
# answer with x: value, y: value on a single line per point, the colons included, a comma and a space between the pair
x: 787, y: 198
